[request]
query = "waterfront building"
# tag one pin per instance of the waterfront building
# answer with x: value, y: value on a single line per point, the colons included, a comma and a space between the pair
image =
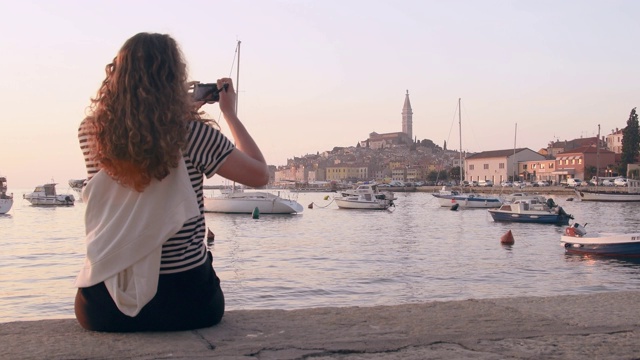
x: 536, y: 170
x: 614, y: 141
x: 497, y: 165
x: 581, y: 163
x: 347, y: 173
x: 556, y: 147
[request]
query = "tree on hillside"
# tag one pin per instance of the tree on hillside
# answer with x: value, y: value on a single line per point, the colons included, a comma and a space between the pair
x: 630, y: 142
x: 445, y: 145
x: 454, y: 173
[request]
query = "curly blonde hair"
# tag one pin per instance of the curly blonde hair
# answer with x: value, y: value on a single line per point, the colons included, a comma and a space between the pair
x: 138, y: 119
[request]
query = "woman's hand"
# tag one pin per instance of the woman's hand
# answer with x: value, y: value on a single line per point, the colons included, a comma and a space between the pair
x: 227, y: 97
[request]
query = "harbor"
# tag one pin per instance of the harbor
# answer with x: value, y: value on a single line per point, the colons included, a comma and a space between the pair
x: 330, y: 257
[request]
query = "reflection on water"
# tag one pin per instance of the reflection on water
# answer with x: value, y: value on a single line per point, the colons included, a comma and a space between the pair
x: 332, y: 257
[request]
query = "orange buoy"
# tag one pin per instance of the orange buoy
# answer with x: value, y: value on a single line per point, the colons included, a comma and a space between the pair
x: 507, y: 239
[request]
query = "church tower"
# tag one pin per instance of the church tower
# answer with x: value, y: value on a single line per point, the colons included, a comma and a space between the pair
x: 407, y: 117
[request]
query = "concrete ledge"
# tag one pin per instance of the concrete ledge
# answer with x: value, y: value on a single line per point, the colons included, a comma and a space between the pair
x: 594, y: 326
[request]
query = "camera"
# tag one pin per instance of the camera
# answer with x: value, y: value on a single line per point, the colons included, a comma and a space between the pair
x: 207, y: 92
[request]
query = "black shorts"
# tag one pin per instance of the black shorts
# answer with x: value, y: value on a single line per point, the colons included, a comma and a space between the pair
x: 184, y: 301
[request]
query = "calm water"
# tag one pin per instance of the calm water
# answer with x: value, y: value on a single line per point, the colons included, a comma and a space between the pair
x: 330, y: 257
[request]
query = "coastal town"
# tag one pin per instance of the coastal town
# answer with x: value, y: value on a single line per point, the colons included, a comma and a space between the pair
x: 399, y: 158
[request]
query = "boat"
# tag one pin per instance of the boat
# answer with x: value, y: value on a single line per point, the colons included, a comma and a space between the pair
x: 238, y: 201
x: 453, y: 198
x: 77, y: 184
x: 448, y: 198
x: 576, y: 240
x: 369, y: 189
x: 531, y: 211
x: 235, y: 200
x: 630, y: 193
x: 46, y: 195
x: 6, y: 201
x: 365, y: 197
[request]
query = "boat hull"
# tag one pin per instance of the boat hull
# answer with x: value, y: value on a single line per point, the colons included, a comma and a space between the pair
x: 505, y: 216
x: 5, y: 205
x: 363, y: 205
x: 477, y: 202
x: 246, y: 203
x: 621, y: 245
x: 58, y: 200
x: 610, y: 196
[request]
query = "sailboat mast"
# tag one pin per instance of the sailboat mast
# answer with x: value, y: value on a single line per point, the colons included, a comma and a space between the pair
x: 238, y: 77
x: 237, y: 89
x: 460, y: 140
x: 598, y: 157
x: 515, y: 163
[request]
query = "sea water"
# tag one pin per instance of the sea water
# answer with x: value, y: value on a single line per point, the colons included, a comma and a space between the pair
x: 326, y: 256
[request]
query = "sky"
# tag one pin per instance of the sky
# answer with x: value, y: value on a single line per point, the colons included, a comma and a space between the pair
x: 319, y: 74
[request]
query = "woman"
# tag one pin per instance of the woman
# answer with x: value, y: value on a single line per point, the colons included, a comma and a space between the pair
x: 146, y: 150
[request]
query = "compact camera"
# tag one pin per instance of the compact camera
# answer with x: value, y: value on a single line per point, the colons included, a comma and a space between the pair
x: 207, y: 92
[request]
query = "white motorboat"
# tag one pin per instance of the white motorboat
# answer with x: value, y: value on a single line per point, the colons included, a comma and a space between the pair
x: 46, y: 195
x: 449, y: 198
x: 368, y: 189
x: 6, y: 201
x: 366, y: 197
x: 629, y: 193
x: 245, y: 202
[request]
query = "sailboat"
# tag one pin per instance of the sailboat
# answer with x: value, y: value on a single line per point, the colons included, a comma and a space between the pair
x: 238, y: 201
x: 451, y: 198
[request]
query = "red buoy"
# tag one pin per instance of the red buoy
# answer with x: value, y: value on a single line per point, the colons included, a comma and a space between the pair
x: 507, y: 239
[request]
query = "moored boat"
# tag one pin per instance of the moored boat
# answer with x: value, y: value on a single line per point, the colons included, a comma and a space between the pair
x: 6, y: 201
x: 631, y: 193
x: 531, y: 211
x: 448, y: 198
x: 245, y: 202
x: 365, y: 197
x: 46, y: 195
x: 576, y: 240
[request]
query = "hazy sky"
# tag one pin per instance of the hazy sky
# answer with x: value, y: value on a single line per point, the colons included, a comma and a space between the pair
x: 319, y: 74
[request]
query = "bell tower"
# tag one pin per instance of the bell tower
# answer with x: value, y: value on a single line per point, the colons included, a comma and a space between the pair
x: 407, y: 117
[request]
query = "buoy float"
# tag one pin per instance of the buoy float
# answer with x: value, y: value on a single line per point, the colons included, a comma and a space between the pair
x: 310, y: 206
x: 454, y: 207
x: 256, y: 213
x: 326, y: 197
x: 507, y: 239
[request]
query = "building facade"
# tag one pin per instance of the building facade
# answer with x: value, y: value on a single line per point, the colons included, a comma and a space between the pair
x: 582, y: 163
x: 614, y: 141
x: 498, y: 165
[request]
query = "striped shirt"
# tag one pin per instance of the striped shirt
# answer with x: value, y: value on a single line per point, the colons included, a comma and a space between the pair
x: 207, y: 148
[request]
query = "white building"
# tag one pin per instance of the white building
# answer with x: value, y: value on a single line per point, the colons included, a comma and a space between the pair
x: 497, y: 165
